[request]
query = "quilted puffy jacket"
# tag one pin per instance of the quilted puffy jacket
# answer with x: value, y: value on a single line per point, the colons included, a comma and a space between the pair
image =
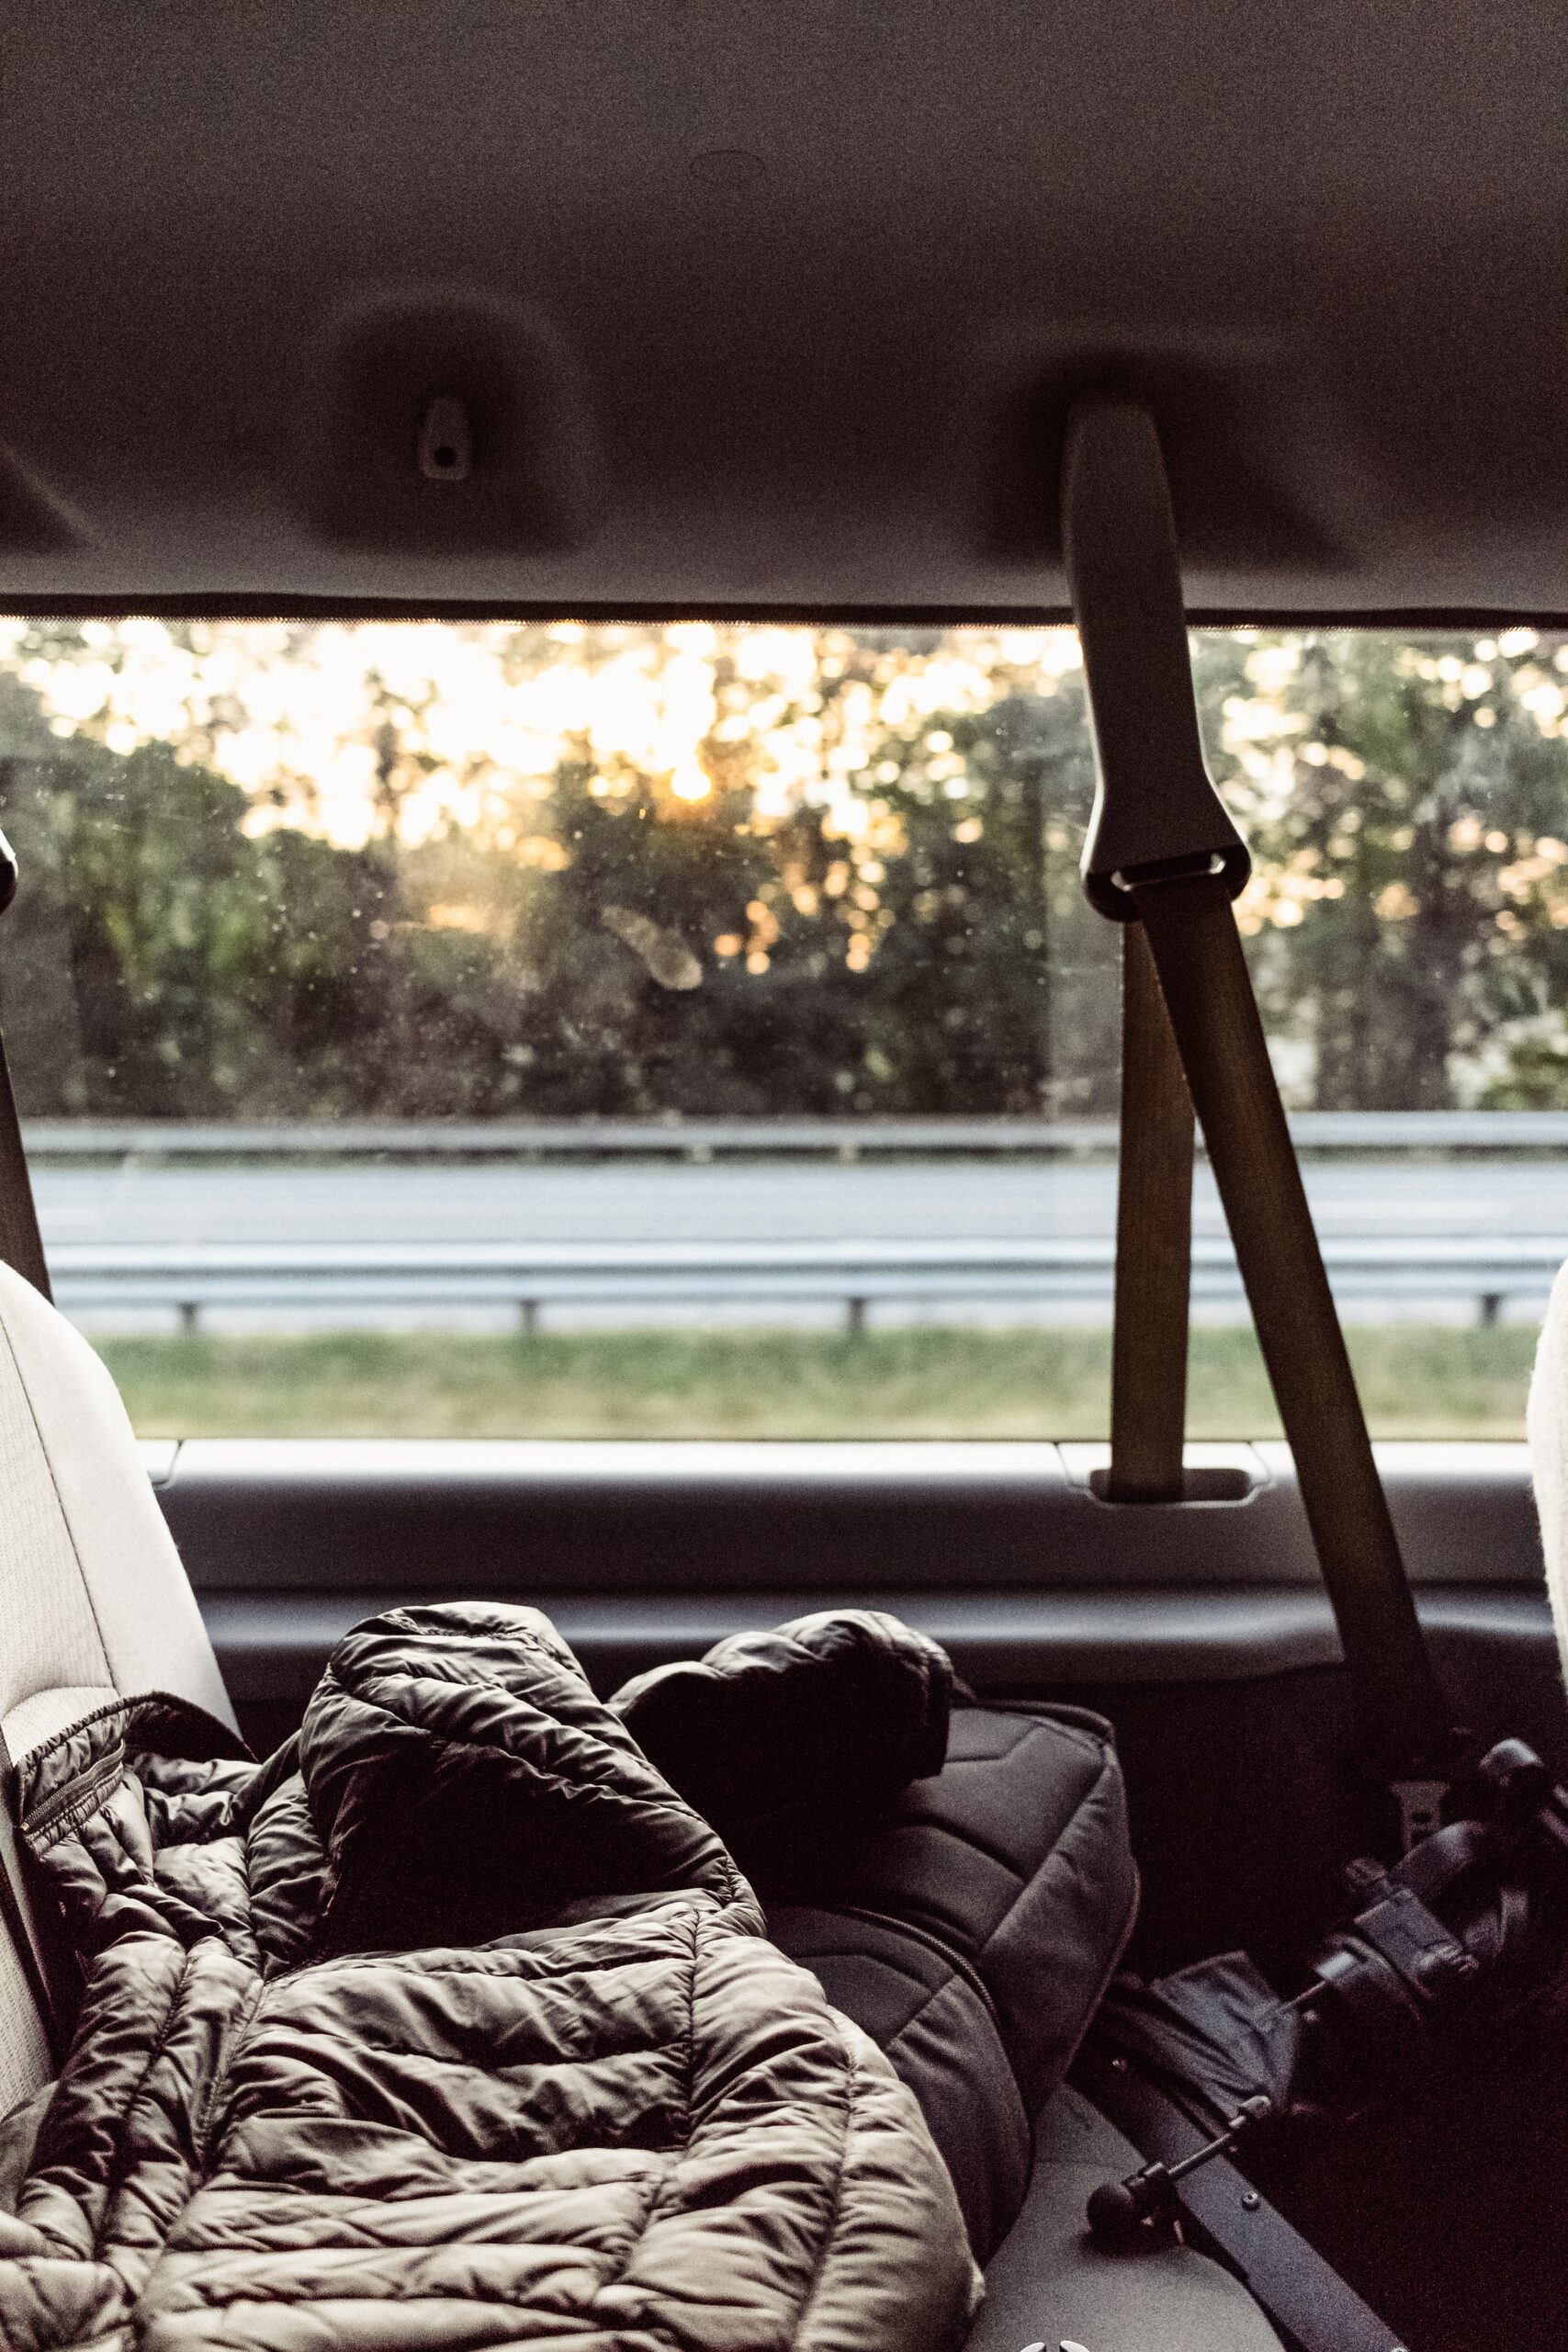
x: 451, y: 2025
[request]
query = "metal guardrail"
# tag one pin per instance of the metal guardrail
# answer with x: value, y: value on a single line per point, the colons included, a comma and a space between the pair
x: 1334, y: 1132
x: 345, y: 1275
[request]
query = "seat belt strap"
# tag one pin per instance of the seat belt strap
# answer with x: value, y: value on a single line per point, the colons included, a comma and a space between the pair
x: 1301, y: 2293
x: 1197, y: 950
x: 1154, y: 1244
x: 21, y: 1245
x: 1161, y: 852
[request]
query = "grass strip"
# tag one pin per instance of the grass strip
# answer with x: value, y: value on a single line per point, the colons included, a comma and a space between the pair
x: 1417, y: 1381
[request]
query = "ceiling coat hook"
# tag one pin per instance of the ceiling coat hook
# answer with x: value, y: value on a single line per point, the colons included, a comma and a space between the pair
x: 446, y: 441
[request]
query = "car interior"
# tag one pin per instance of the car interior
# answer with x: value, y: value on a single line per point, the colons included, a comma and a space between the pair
x: 806, y: 313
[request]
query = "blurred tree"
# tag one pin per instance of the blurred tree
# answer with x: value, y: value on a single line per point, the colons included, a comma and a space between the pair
x: 787, y: 874
x: 1406, y: 806
x: 137, y: 934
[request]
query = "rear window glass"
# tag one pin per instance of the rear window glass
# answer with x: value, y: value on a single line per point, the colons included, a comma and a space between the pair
x: 697, y: 1030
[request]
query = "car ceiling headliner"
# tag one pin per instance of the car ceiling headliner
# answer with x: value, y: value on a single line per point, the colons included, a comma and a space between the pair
x: 778, y: 304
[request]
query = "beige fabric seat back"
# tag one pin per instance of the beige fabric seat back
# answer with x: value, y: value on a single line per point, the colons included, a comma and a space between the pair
x: 1548, y: 1429
x: 93, y: 1603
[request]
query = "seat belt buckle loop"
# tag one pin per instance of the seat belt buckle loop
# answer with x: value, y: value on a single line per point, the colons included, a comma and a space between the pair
x: 1420, y: 1807
x: 1203, y: 865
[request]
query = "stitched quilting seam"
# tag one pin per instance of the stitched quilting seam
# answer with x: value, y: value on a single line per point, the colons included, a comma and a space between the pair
x: 124, y: 2158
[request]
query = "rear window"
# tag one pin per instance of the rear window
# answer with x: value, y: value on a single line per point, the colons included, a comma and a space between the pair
x: 697, y: 1030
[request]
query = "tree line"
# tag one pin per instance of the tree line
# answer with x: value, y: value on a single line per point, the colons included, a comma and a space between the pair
x: 914, y: 943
